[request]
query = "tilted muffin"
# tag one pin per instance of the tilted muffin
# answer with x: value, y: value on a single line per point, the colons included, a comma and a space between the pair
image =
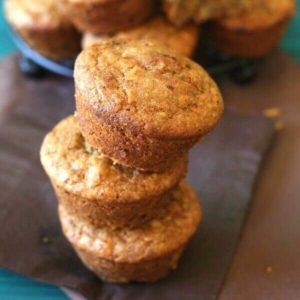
x: 107, y: 16
x: 43, y: 26
x: 182, y: 11
x: 254, y: 33
x: 143, y: 254
x: 142, y: 105
x: 95, y: 190
x: 181, y: 40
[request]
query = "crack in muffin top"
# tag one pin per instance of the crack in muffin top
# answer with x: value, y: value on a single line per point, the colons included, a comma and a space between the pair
x: 142, y: 86
x: 83, y: 171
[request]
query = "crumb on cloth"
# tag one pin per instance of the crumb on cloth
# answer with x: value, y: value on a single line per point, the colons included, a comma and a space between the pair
x: 272, y: 112
x: 269, y: 269
x: 45, y: 240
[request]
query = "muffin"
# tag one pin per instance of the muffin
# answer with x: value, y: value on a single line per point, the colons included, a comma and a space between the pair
x: 181, y: 40
x: 142, y: 105
x: 107, y: 16
x: 145, y: 254
x: 255, y: 33
x: 181, y: 11
x: 93, y: 189
x: 43, y: 26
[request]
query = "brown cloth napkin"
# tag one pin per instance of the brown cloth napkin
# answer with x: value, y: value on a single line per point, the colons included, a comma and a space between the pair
x: 223, y: 168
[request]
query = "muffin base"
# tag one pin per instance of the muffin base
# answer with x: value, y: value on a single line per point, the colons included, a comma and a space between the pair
x: 245, y: 43
x: 115, y: 215
x: 130, y: 149
x: 107, y: 17
x: 145, y: 271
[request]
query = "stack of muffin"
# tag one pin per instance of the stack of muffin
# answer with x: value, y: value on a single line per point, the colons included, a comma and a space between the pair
x: 118, y: 164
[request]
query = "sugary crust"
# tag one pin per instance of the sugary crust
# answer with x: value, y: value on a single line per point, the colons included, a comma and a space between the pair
x: 181, y: 40
x: 141, y: 104
x: 142, y: 254
x: 44, y: 27
x: 181, y: 11
x: 107, y: 17
x: 255, y: 33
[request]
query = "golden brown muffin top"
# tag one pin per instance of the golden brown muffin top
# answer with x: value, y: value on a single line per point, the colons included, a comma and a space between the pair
x: 143, y: 87
x: 263, y: 13
x: 157, y: 238
x: 84, y: 171
x: 35, y: 13
x: 181, y: 40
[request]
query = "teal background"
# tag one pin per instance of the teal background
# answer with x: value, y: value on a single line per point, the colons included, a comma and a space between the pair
x: 291, y: 41
x: 15, y: 287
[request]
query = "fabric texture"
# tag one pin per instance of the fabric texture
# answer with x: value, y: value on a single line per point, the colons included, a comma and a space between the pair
x: 222, y: 170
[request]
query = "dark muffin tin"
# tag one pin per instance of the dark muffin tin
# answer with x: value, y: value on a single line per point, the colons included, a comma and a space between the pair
x: 34, y: 65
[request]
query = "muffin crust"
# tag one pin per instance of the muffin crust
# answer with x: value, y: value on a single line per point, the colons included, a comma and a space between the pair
x: 262, y: 26
x: 182, y: 11
x: 141, y: 104
x: 44, y: 27
x: 180, y: 40
x: 93, y: 188
x: 107, y: 16
x: 147, y: 253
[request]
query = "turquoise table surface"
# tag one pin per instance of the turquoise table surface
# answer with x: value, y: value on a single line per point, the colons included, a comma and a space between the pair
x: 15, y: 287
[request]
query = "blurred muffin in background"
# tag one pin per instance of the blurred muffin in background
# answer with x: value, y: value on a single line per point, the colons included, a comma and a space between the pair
x: 182, y: 11
x: 43, y: 26
x: 107, y: 16
x: 180, y: 40
x: 253, y: 33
